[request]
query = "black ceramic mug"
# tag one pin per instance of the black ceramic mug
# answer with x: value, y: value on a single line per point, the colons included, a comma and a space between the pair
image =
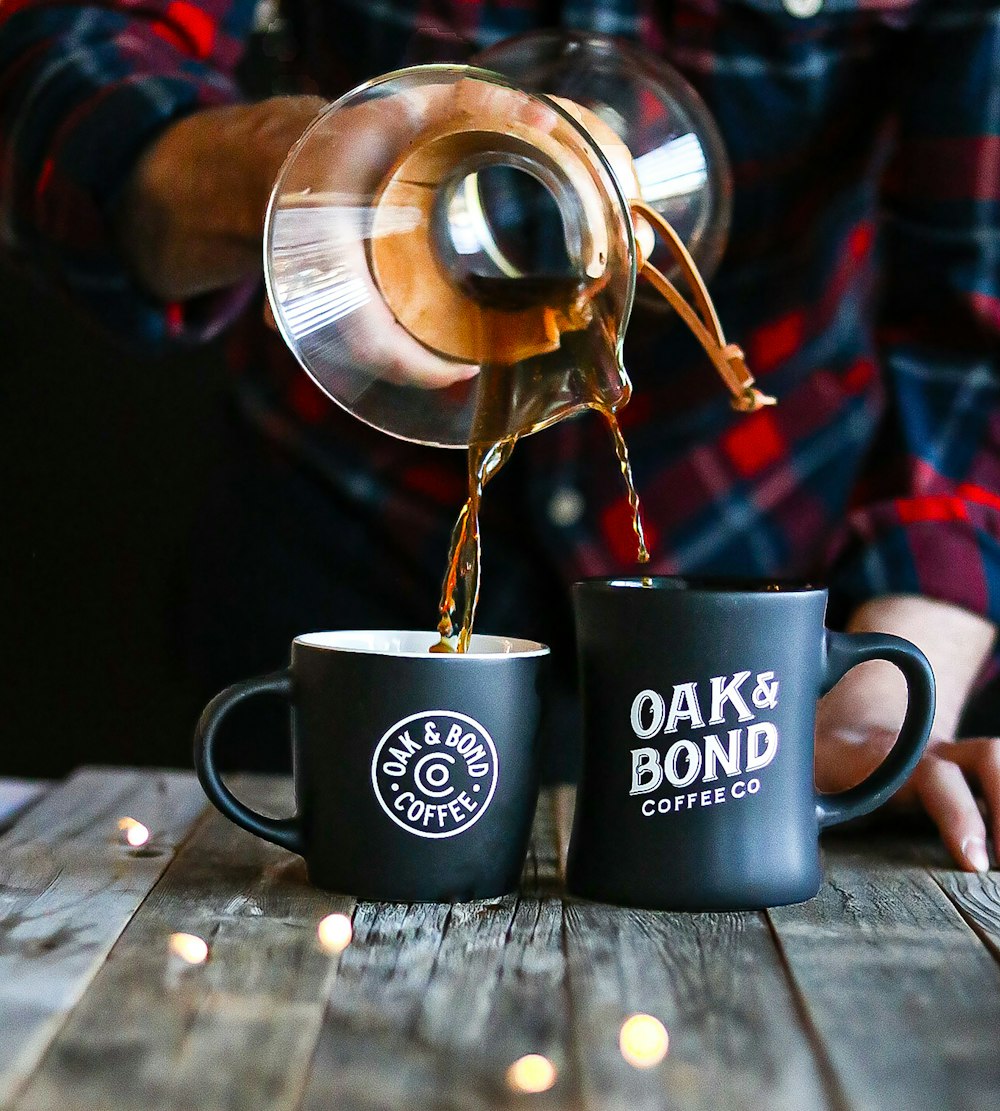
x: 416, y: 773
x: 699, y: 701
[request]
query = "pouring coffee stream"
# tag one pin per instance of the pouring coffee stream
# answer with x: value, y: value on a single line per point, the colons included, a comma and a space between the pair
x: 485, y: 460
x: 407, y: 297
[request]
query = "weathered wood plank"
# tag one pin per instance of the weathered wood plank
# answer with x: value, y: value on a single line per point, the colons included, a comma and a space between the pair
x: 234, y: 1032
x: 433, y: 1004
x: 68, y: 886
x: 715, y: 981
x: 978, y: 898
x: 913, y: 840
x: 717, y: 984
x: 904, y: 996
x: 17, y: 795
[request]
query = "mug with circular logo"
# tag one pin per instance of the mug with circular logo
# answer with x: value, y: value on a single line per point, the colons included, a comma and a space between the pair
x: 416, y: 773
x: 699, y: 705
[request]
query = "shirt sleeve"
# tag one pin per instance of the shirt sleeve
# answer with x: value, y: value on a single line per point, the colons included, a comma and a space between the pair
x: 83, y: 89
x: 927, y: 513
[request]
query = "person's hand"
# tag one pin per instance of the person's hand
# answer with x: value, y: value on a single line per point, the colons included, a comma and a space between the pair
x: 858, y: 721
x: 193, y: 215
x: 354, y: 274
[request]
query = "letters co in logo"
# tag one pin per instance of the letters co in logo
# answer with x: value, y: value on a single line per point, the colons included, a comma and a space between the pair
x: 434, y: 773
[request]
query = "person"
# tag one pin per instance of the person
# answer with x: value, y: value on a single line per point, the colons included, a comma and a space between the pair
x: 862, y: 278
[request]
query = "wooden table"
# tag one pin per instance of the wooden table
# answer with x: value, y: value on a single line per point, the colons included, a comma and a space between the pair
x: 883, y: 992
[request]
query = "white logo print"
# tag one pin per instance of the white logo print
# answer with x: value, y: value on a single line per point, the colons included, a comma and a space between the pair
x: 434, y: 773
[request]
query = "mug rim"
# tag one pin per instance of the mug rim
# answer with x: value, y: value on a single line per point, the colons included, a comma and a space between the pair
x: 716, y: 585
x: 483, y: 646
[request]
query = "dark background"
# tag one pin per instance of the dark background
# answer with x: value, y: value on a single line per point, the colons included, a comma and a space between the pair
x: 102, y: 455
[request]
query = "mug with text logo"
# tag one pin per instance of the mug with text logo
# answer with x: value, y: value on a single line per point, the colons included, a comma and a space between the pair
x: 699, y: 702
x: 416, y: 773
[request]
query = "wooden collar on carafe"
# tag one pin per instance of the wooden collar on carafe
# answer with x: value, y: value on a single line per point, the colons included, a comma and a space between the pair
x: 702, y: 319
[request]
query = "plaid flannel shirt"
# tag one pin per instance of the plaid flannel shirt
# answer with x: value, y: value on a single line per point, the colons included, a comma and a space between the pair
x: 862, y: 276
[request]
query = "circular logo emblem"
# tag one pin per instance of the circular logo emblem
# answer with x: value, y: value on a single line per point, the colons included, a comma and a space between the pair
x: 434, y: 773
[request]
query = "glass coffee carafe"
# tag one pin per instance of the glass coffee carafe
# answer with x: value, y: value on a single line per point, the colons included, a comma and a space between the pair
x: 452, y: 252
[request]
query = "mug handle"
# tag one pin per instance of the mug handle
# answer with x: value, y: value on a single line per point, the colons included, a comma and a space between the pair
x: 847, y: 650
x: 286, y: 832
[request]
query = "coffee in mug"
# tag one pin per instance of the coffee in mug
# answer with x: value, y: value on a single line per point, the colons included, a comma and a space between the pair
x: 416, y: 774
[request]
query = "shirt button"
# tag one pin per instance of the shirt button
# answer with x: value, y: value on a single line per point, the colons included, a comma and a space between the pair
x: 566, y: 507
x: 802, y: 9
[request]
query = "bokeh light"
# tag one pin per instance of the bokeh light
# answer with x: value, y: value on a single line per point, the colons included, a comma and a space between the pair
x: 189, y: 947
x: 335, y: 933
x: 532, y: 1073
x: 643, y: 1041
x: 134, y: 833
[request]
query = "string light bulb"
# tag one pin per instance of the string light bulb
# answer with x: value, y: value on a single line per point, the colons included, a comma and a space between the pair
x: 531, y: 1073
x: 335, y: 933
x: 134, y: 833
x: 189, y: 947
x: 643, y: 1041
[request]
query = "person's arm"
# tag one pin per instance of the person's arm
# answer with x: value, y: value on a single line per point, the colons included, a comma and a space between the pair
x: 84, y: 91
x: 923, y: 559
x: 192, y: 215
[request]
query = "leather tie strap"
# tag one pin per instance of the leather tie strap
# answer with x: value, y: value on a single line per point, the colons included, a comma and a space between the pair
x: 727, y: 358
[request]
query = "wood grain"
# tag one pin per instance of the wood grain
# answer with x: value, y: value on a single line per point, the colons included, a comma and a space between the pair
x: 68, y: 886
x: 434, y: 1003
x: 978, y: 899
x: 235, y: 1032
x: 482, y: 984
x: 716, y: 982
x: 903, y: 994
x: 879, y: 994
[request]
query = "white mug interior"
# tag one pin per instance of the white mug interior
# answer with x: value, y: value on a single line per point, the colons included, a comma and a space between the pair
x: 417, y: 643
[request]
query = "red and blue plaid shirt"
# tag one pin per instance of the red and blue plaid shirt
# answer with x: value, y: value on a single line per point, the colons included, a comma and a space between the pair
x: 862, y: 276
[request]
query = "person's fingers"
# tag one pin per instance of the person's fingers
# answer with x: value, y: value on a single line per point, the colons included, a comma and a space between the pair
x: 323, y: 237
x: 846, y: 755
x: 501, y: 107
x: 398, y: 358
x: 979, y: 758
x: 946, y: 795
x: 391, y: 353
